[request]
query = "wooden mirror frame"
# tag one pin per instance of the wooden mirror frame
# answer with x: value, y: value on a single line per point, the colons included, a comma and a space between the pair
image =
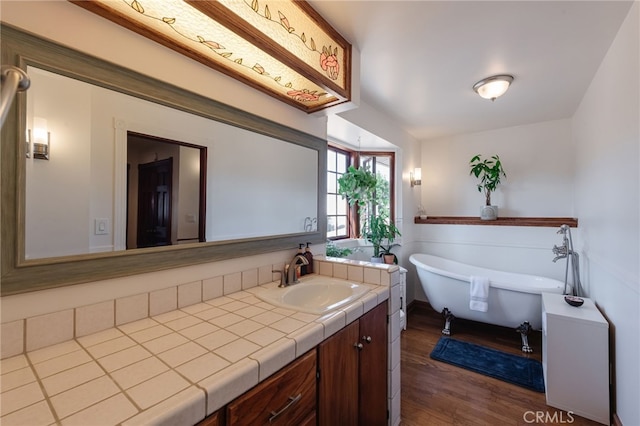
x: 18, y: 275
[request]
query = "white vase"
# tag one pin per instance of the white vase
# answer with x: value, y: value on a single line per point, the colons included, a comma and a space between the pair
x: 489, y: 213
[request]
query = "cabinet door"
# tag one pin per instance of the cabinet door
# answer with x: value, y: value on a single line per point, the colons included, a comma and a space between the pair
x: 338, y: 385
x: 214, y: 419
x: 287, y: 398
x: 373, y: 367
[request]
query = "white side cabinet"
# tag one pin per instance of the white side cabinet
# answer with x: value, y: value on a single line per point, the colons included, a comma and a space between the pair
x: 403, y: 297
x: 575, y: 357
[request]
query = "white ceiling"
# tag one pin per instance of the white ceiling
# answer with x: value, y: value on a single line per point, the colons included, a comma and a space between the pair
x: 420, y: 59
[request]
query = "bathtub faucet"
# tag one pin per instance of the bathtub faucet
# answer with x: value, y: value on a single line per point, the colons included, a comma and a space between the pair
x: 563, y: 251
x: 560, y: 252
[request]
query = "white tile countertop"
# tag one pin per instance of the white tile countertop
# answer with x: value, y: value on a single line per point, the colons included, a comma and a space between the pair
x: 173, y: 368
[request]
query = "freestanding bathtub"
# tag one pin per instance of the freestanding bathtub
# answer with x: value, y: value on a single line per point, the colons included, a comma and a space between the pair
x: 513, y: 298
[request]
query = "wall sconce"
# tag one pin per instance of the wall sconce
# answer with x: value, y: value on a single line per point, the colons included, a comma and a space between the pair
x: 39, y: 139
x: 416, y: 177
x: 493, y: 87
x: 282, y: 48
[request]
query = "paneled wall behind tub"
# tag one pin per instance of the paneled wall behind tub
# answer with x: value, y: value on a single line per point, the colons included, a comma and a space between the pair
x: 506, y: 248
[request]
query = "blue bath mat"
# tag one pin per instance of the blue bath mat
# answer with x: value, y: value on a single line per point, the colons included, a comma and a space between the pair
x: 510, y: 368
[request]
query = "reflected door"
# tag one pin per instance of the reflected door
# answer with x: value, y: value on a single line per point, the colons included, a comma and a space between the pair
x: 154, y: 203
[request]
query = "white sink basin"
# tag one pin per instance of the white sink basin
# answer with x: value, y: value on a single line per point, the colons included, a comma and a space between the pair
x: 315, y: 295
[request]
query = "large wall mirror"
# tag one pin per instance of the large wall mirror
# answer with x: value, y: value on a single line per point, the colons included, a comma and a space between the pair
x: 107, y: 173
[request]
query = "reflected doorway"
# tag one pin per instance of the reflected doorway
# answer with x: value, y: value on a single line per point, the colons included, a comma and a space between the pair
x: 154, y: 203
x: 166, y: 187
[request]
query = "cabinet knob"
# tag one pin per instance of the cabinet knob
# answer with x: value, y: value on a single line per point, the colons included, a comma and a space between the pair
x: 359, y: 346
x: 366, y: 339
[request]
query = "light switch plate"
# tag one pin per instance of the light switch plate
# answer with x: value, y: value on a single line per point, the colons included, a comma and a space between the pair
x: 101, y: 226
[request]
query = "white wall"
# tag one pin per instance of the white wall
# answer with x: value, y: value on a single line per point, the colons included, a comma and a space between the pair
x: 538, y: 160
x: 65, y: 222
x: 607, y: 198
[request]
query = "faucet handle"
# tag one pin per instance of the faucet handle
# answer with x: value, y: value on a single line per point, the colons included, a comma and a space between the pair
x: 283, y: 276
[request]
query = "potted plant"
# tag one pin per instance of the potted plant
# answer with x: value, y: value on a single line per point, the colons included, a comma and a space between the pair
x: 359, y: 187
x: 388, y: 257
x: 377, y: 230
x: 488, y: 171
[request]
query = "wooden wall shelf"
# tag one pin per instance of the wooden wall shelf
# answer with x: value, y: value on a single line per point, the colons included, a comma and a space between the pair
x: 551, y: 222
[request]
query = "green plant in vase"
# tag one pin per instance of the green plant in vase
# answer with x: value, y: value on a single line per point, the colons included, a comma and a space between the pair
x: 379, y: 229
x: 360, y: 187
x: 386, y: 254
x: 489, y: 171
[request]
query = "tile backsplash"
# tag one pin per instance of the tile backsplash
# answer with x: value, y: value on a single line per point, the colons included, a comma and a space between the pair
x: 40, y: 331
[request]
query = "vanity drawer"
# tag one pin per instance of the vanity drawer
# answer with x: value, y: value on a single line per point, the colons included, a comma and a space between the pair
x: 288, y: 397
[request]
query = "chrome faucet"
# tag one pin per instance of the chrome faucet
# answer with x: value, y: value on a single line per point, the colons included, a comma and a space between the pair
x: 560, y: 252
x: 563, y: 251
x: 566, y: 251
x: 288, y: 276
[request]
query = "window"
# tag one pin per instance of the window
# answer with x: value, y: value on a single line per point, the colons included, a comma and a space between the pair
x: 337, y: 207
x: 342, y: 221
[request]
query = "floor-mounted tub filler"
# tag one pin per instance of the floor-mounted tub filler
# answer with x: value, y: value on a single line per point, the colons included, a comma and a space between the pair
x: 513, y: 299
x: 565, y: 251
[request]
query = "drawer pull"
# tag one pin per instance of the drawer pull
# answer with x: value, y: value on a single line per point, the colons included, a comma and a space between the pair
x: 292, y: 400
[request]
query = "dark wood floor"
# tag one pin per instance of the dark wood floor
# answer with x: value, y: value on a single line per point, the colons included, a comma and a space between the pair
x: 436, y: 393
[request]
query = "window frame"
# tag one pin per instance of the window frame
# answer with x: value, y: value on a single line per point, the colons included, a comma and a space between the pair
x: 349, y: 155
x: 353, y: 219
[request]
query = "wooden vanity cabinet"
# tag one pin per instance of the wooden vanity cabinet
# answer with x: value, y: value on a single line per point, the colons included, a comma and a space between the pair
x: 338, y: 384
x: 352, y: 389
x: 286, y: 398
x: 213, y: 419
x: 372, y: 377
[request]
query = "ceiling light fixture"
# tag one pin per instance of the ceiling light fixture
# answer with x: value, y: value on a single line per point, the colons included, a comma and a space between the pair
x: 283, y: 48
x: 493, y: 87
